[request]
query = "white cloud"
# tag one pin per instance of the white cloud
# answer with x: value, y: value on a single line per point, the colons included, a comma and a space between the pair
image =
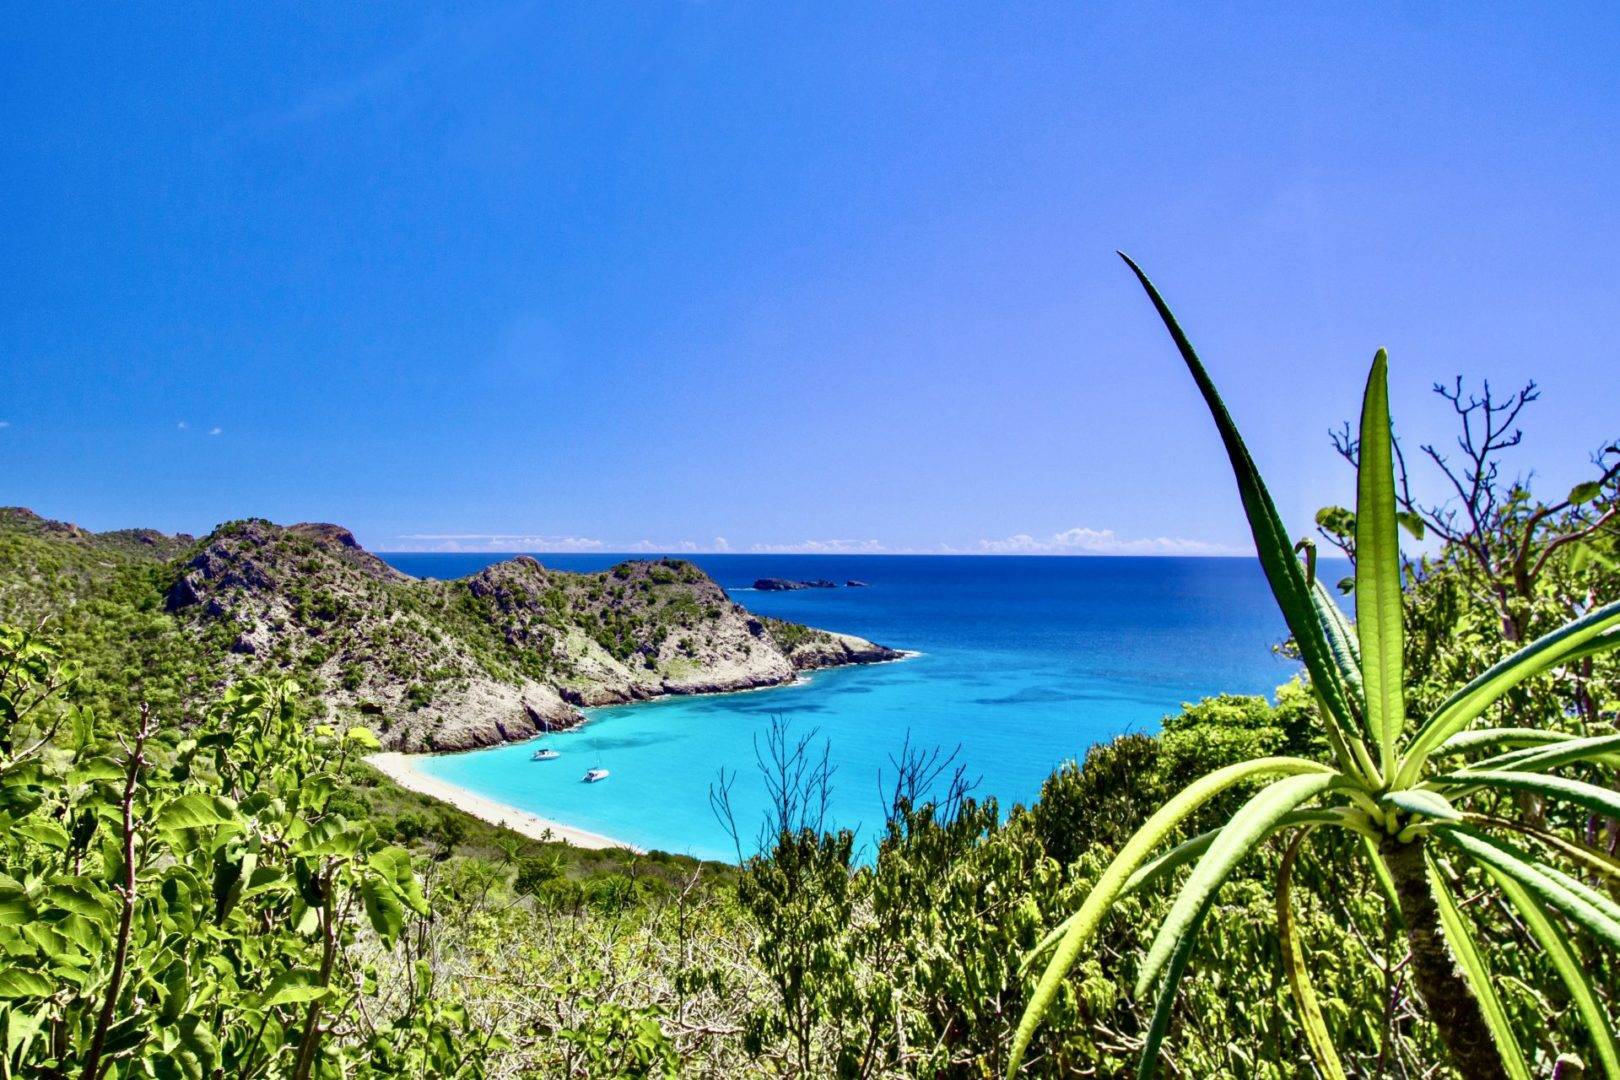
x: 5, y: 423
x: 1076, y: 541
x: 502, y: 542
x: 182, y: 425
x: 1084, y: 541
x: 216, y: 431
x: 826, y: 547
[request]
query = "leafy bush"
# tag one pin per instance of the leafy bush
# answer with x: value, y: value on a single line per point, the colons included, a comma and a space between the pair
x: 196, y: 909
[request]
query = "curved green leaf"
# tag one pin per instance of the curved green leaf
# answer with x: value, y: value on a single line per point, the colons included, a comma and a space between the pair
x: 1271, y: 541
x: 1430, y: 804
x: 1257, y: 819
x: 1340, y: 633
x: 1541, y: 758
x: 1544, y: 883
x: 1598, y: 862
x: 1151, y: 873
x: 1378, y: 570
x: 1083, y: 924
x: 196, y: 812
x: 1463, y: 707
x: 1165, y: 1005
x: 1317, y: 1037
x: 1465, y: 741
x: 1590, y: 796
x: 1478, y: 975
x: 1556, y: 944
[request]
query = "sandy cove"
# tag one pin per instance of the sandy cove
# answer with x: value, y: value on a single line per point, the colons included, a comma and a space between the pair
x: 402, y: 770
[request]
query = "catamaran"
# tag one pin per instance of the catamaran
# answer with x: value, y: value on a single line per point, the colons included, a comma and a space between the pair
x: 593, y: 775
x: 545, y: 753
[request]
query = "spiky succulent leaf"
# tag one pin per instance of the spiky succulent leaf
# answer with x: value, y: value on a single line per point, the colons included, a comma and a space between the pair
x: 1162, y: 866
x: 1588, y: 796
x: 1378, y: 570
x: 1166, y: 1001
x: 1547, y: 885
x: 1478, y: 975
x: 1317, y: 1037
x: 1590, y: 859
x: 1083, y: 924
x: 1466, y: 741
x: 1463, y: 707
x: 1556, y: 944
x: 1276, y: 552
x: 1550, y: 756
x: 1429, y: 804
x: 1254, y: 821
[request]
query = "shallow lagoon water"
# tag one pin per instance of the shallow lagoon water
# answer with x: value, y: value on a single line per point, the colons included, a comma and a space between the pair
x: 1025, y: 663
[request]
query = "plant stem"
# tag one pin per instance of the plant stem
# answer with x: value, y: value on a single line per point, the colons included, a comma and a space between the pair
x: 126, y: 917
x: 1451, y: 1004
x: 312, y: 1033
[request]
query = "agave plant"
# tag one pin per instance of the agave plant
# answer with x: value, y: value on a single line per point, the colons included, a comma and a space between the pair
x: 1408, y: 787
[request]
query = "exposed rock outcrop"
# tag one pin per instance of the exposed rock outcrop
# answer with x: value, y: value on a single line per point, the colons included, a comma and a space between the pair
x: 784, y: 585
x: 511, y: 651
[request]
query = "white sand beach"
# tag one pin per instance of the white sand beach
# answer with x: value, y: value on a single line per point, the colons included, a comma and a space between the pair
x: 401, y: 768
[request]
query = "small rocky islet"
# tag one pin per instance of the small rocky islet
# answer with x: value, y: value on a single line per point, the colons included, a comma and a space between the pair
x: 774, y: 584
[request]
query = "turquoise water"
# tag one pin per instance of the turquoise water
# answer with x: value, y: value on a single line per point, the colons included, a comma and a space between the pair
x: 1025, y: 662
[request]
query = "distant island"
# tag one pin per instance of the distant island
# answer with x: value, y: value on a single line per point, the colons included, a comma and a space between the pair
x: 776, y: 584
x: 501, y: 655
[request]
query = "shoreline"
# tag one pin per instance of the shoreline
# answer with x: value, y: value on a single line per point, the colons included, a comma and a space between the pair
x: 402, y: 770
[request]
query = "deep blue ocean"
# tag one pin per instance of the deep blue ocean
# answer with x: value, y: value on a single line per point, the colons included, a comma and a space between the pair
x: 1025, y: 662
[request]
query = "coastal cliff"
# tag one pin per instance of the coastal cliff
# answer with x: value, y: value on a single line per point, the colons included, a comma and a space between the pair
x: 513, y: 650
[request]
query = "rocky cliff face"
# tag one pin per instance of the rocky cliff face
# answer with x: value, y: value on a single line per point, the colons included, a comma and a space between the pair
x: 445, y: 665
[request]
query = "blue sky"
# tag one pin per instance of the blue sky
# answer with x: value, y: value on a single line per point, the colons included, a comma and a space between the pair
x: 782, y: 276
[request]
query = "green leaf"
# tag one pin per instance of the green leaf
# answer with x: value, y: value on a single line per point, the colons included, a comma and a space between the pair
x: 1464, y: 741
x: 1461, y: 709
x: 1317, y: 1037
x: 1340, y: 633
x: 1561, y: 953
x: 1563, y: 751
x: 1547, y: 885
x: 394, y: 863
x: 1083, y: 924
x: 78, y: 899
x: 1478, y: 975
x: 1337, y: 520
x: 1166, y: 1002
x: 383, y: 908
x: 1412, y: 523
x: 1271, y: 541
x: 1185, y: 852
x: 1585, y: 493
x: 43, y: 831
x: 1429, y: 804
x: 1257, y: 819
x: 1589, y: 796
x: 1151, y: 873
x: 294, y: 986
x: 197, y: 812
x: 1379, y: 612
x: 17, y: 983
x: 1591, y: 859
x: 363, y: 738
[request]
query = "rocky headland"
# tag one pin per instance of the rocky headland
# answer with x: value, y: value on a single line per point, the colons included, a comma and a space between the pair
x: 504, y: 654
